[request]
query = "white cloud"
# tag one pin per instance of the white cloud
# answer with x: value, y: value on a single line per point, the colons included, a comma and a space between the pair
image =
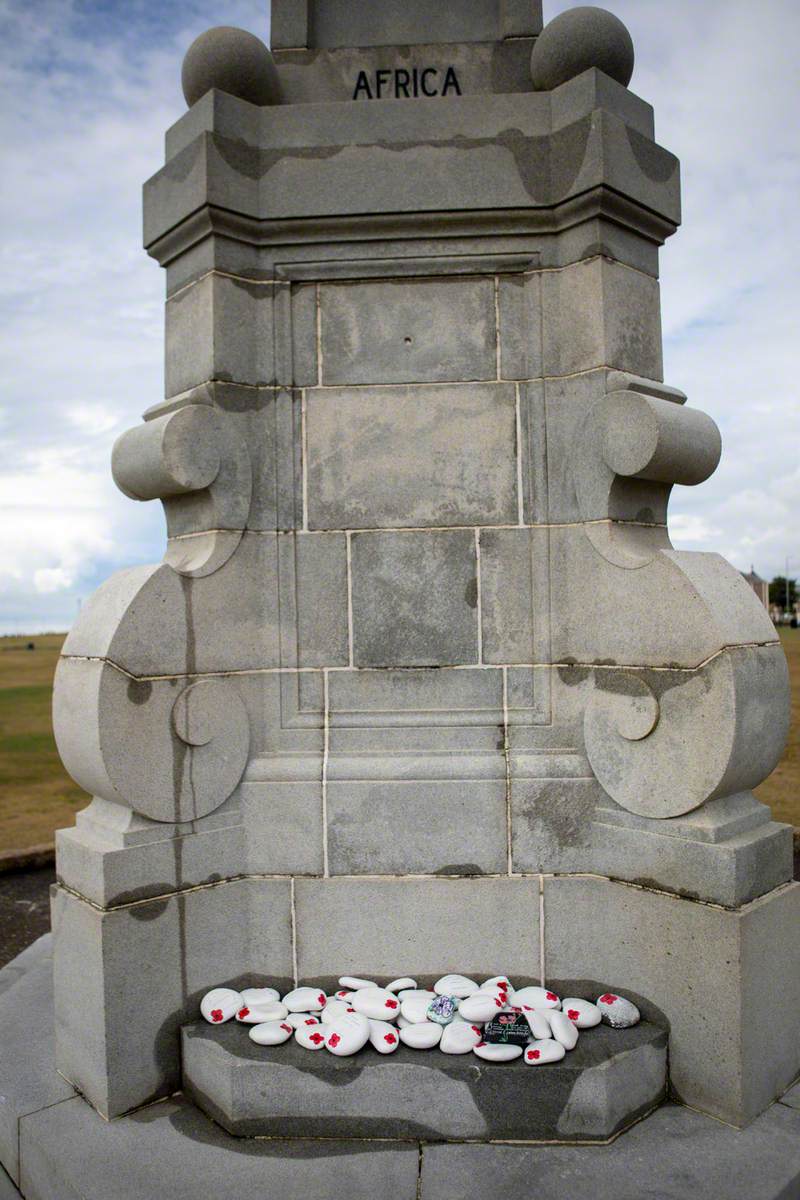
x: 90, y: 88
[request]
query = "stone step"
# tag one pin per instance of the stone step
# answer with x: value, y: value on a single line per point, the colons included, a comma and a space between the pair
x: 607, y: 1082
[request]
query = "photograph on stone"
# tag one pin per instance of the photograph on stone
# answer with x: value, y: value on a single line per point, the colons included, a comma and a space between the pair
x: 421, y: 690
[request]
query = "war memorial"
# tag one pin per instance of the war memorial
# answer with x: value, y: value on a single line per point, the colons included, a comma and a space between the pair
x: 420, y: 686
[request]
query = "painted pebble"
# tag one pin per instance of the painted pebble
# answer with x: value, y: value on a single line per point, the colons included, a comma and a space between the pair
x: 482, y: 1006
x: 423, y: 1035
x: 296, y: 1020
x: 537, y: 997
x: 376, y: 1003
x: 582, y: 1013
x: 353, y: 982
x: 415, y: 1008
x: 383, y: 1037
x: 253, y: 996
x: 310, y: 1037
x: 459, y: 1037
x: 335, y: 1009
x: 271, y: 1010
x: 220, y: 1004
x: 455, y: 985
x: 563, y: 1029
x: 540, y: 1026
x: 271, y: 1033
x: 257, y: 1014
x: 618, y: 1011
x: 496, y: 1051
x: 497, y: 981
x: 442, y: 1009
x: 305, y: 999
x: 545, y: 1051
x: 348, y: 1034
x: 400, y: 985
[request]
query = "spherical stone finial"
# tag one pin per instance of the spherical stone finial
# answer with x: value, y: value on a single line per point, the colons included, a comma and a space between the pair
x: 578, y: 39
x: 233, y: 61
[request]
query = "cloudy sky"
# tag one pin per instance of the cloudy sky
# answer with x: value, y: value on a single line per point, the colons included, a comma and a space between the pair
x: 89, y: 88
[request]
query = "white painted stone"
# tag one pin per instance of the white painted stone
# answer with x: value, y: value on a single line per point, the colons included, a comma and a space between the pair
x: 459, y: 1037
x: 455, y: 985
x: 540, y: 1025
x: 252, y: 996
x: 333, y: 1010
x: 401, y: 985
x: 537, y: 997
x: 298, y: 1020
x: 271, y: 1010
x: 416, y: 992
x: 618, y: 1011
x: 353, y: 982
x: 545, y: 1051
x: 348, y: 1034
x: 403, y: 1022
x: 562, y: 1028
x: 482, y: 1006
x: 256, y: 1014
x: 271, y: 1033
x: 344, y: 994
x: 423, y: 1035
x: 496, y: 1051
x: 376, y: 1003
x: 383, y: 1037
x: 311, y: 1037
x: 415, y: 1008
x: 582, y: 1013
x: 220, y: 1004
x: 497, y: 981
x: 305, y: 999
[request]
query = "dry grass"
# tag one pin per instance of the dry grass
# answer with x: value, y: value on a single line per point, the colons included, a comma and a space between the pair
x: 36, y: 794
x: 38, y: 797
x: 781, y: 790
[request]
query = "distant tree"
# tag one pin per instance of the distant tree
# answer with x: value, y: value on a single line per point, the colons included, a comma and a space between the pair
x: 777, y: 591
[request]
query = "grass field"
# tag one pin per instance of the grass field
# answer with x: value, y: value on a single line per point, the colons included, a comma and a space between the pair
x: 38, y: 797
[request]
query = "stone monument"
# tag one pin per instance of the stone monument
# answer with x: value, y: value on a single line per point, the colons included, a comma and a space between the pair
x: 421, y: 684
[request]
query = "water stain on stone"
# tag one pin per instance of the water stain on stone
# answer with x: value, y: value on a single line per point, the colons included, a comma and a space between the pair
x: 139, y: 691
x: 460, y: 869
x: 471, y: 593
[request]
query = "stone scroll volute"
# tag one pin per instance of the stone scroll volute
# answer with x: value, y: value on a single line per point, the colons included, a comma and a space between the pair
x: 664, y: 735
x: 139, y: 718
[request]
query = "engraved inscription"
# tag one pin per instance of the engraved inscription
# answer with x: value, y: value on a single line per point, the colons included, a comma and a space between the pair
x: 402, y: 84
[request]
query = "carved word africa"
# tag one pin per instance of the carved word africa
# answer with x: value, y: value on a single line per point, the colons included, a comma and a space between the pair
x: 402, y: 84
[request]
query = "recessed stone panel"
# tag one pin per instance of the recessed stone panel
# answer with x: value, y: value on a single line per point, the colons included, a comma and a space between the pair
x: 415, y: 599
x: 411, y: 456
x: 408, y: 330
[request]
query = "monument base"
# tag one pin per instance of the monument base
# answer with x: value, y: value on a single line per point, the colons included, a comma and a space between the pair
x: 611, y: 1079
x: 54, y: 1146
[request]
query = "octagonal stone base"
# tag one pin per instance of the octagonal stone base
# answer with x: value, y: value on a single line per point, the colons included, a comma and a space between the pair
x: 611, y: 1079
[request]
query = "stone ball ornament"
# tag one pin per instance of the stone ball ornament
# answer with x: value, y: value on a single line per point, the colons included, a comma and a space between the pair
x: 577, y: 40
x: 231, y: 60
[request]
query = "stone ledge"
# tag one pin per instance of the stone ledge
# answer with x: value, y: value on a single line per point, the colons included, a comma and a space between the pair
x: 611, y: 1079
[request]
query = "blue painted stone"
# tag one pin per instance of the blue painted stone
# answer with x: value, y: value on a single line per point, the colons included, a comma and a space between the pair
x: 442, y: 1009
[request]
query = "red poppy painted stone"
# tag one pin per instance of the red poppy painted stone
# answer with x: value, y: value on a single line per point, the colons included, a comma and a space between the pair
x: 618, y: 1011
x: 220, y: 1004
x: 348, y: 1034
x: 384, y: 1037
x: 545, y: 1051
x: 582, y: 1013
x: 377, y: 1004
x: 271, y: 1033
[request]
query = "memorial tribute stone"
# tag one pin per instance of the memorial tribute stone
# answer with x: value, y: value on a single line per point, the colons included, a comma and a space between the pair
x: 421, y: 681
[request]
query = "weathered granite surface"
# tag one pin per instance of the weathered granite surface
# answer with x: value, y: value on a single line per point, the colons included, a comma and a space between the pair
x: 419, y: 623
x: 611, y: 1079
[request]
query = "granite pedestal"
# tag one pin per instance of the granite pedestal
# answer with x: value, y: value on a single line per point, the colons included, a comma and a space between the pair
x: 420, y: 663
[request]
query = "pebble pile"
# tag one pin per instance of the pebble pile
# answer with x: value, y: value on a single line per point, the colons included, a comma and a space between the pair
x: 459, y: 1015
